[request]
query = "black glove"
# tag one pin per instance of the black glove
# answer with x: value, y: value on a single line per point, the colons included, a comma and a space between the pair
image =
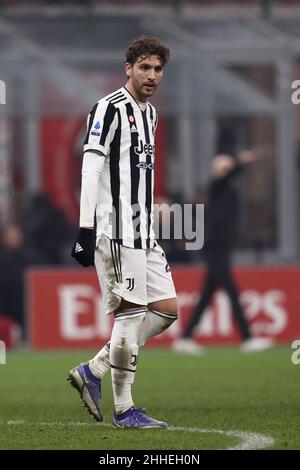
x: 84, y: 248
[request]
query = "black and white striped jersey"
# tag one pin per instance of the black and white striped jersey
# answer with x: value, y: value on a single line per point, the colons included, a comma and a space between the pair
x: 124, y: 133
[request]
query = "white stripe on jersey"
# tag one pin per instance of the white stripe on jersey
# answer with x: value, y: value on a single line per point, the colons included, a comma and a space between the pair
x: 119, y: 129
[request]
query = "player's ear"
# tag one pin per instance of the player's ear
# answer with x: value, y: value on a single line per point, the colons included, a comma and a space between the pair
x: 128, y: 69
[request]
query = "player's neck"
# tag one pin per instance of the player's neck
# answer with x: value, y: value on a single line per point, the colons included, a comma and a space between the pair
x: 130, y: 88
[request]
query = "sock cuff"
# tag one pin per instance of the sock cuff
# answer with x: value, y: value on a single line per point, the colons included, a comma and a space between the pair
x: 170, y: 316
x: 130, y: 312
x: 122, y: 368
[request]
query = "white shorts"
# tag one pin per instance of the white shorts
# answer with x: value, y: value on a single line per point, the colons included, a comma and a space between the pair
x: 136, y: 275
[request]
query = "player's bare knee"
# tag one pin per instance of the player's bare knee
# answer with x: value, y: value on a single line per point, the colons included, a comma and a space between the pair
x: 168, y: 306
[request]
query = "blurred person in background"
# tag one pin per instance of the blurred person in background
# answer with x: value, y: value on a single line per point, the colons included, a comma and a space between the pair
x: 43, y: 223
x: 220, y: 224
x: 117, y: 185
x: 15, y: 257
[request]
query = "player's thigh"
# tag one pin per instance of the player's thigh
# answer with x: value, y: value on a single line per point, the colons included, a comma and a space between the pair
x: 161, y: 293
x: 122, y: 275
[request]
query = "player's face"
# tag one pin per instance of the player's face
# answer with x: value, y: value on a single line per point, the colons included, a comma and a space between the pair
x: 144, y: 76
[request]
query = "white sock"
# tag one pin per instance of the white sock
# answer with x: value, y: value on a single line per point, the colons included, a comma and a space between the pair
x: 124, y: 354
x: 154, y: 323
x: 100, y: 364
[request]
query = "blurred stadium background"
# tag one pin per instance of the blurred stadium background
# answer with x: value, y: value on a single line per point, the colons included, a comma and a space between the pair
x: 228, y: 87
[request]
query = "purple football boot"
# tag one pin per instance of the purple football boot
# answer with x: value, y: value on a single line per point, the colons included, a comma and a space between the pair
x: 136, y: 418
x: 89, y: 388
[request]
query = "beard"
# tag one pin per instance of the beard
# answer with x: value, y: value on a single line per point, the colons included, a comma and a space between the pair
x: 142, y: 90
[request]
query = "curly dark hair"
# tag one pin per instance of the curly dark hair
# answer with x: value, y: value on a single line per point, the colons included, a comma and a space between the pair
x: 145, y: 46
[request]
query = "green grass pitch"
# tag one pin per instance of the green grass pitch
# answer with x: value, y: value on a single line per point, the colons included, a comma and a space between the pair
x: 221, y: 390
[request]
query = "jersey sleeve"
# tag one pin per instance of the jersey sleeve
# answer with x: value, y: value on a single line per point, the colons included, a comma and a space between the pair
x: 92, y: 167
x: 101, y: 127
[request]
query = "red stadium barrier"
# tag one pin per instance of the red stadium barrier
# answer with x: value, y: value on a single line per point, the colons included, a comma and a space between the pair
x: 64, y: 307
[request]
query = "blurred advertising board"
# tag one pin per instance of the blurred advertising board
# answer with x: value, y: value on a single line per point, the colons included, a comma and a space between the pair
x: 64, y: 307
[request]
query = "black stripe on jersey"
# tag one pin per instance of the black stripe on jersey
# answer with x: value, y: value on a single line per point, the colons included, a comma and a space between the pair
x: 107, y: 122
x: 135, y: 181
x: 120, y: 98
x: 113, y: 257
x: 152, y: 120
x: 119, y: 261
x: 114, y: 95
x: 115, y: 260
x: 114, y: 167
x: 91, y: 119
x: 117, y: 252
x: 148, y: 179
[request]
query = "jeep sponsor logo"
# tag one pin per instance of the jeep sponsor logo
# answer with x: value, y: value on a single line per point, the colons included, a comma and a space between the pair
x: 148, y: 149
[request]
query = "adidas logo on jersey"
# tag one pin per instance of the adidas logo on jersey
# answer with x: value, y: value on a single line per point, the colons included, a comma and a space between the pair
x: 78, y: 248
x: 133, y: 129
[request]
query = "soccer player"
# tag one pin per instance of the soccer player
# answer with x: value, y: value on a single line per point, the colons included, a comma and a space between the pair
x: 117, y: 185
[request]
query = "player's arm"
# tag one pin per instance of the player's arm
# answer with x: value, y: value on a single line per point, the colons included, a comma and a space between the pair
x: 92, y: 167
x: 101, y: 128
x: 244, y: 159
